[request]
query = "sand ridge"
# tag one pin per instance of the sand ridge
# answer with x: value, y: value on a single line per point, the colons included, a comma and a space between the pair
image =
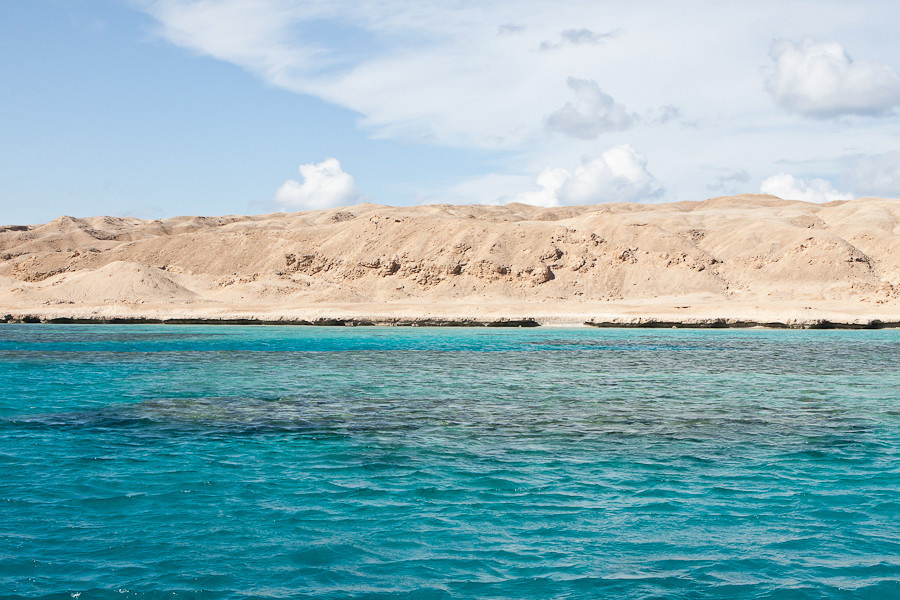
x: 740, y: 258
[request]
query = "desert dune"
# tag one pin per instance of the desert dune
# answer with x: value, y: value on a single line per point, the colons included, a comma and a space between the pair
x: 740, y: 260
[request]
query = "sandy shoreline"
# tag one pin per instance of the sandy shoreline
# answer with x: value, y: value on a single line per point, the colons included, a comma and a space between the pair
x: 642, y: 324
x: 644, y: 315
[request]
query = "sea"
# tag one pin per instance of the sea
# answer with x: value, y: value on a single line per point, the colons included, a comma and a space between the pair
x: 168, y: 461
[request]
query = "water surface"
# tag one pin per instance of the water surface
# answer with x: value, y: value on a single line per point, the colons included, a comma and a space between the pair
x: 289, y: 462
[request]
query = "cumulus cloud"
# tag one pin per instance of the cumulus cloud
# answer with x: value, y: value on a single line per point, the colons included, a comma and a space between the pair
x: 593, y: 112
x: 820, y: 80
x: 470, y: 76
x: 618, y: 175
x: 877, y: 175
x: 325, y: 185
x: 789, y: 187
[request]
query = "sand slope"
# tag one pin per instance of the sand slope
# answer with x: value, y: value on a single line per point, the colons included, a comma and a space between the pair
x: 743, y: 257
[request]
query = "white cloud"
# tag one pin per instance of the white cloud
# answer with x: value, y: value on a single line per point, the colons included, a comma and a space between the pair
x: 325, y: 185
x: 252, y: 33
x: 472, y: 76
x: 593, y: 112
x: 618, y: 175
x: 820, y: 80
x: 877, y: 175
x: 460, y: 75
x: 789, y: 187
x: 550, y: 183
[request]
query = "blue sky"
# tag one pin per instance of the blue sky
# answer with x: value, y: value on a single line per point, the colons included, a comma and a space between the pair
x: 156, y: 108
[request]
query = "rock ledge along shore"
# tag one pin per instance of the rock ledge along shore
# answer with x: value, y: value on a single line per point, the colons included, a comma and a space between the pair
x: 739, y: 261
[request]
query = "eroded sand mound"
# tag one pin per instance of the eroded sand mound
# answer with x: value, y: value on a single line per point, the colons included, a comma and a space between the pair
x: 739, y: 251
x: 116, y: 282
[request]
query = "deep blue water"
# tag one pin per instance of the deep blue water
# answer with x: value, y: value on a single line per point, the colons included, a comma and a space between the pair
x: 288, y: 462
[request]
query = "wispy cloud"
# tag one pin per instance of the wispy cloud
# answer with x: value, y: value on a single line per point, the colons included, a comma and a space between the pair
x: 472, y: 77
x: 730, y: 182
x: 510, y: 29
x: 877, y: 175
x: 576, y: 37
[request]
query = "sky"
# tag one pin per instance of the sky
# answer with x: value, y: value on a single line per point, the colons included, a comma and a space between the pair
x: 158, y: 108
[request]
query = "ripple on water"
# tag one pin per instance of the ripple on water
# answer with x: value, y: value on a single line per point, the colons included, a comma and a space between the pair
x: 290, y: 463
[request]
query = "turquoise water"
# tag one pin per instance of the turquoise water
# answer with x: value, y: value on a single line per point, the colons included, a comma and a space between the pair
x: 283, y: 462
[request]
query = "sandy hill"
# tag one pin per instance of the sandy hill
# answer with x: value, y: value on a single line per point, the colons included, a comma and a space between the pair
x: 749, y: 257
